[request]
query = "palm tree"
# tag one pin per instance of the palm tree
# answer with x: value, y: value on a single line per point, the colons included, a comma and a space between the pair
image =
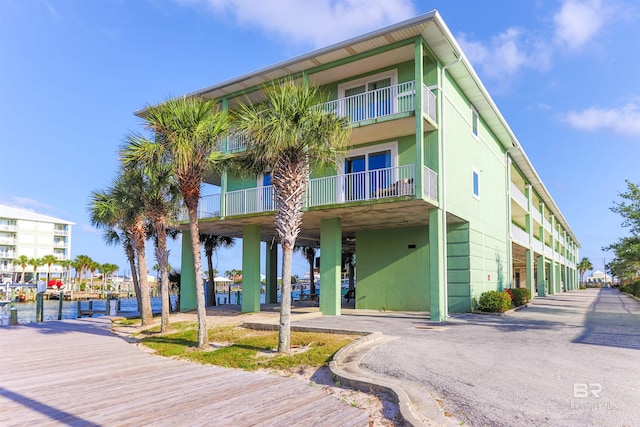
x: 49, y: 260
x: 112, y: 236
x: 81, y: 263
x: 309, y: 253
x: 583, y: 266
x: 161, y: 203
x: 286, y: 133
x: 66, y: 266
x: 211, y: 243
x: 121, y: 206
x: 22, y: 261
x: 35, y: 263
x: 187, y: 134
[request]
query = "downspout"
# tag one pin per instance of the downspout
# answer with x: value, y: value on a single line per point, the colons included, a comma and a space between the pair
x: 443, y: 196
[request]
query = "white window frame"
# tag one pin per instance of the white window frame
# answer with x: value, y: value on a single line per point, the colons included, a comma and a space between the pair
x: 474, y: 114
x: 391, y: 146
x: 475, y: 172
x: 392, y: 74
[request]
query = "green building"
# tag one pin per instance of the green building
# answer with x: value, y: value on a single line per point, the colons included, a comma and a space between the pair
x: 435, y: 196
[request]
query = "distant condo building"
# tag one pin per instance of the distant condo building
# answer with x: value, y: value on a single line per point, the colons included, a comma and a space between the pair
x: 33, y: 235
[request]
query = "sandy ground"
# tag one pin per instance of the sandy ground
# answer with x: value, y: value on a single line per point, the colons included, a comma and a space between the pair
x: 381, y: 408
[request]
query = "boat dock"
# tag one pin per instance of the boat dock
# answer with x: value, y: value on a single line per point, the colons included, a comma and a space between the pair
x: 77, y: 372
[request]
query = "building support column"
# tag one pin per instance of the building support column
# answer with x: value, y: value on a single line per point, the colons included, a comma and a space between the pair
x: 437, y: 266
x: 250, y: 268
x: 542, y: 288
x: 187, y: 275
x: 552, y: 277
x: 418, y: 52
x: 330, y: 266
x: 271, y: 279
x: 530, y: 273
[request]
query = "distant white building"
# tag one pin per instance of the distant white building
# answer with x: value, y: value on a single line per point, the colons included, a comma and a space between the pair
x: 24, y: 232
x: 599, y: 277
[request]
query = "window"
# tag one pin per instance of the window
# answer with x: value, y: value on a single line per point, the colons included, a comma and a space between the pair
x: 369, y: 97
x: 369, y: 169
x: 476, y: 184
x: 474, y: 122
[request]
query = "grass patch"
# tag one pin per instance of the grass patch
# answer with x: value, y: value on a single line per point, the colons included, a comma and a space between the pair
x: 247, y: 348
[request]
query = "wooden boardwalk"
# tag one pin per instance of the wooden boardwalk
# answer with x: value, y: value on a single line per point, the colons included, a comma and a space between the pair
x: 77, y: 373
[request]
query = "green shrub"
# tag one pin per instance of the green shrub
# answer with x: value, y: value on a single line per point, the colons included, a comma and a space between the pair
x: 520, y: 296
x: 632, y: 288
x: 494, y: 302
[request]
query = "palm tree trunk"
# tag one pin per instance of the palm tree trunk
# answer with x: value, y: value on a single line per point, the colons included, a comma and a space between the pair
x: 145, y: 302
x: 212, y: 283
x: 284, y: 335
x: 162, y: 257
x: 192, y: 206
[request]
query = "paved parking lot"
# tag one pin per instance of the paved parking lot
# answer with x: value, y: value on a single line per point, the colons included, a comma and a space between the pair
x: 569, y: 359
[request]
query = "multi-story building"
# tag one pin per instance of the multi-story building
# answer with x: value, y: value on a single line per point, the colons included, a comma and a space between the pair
x: 435, y: 195
x: 33, y: 235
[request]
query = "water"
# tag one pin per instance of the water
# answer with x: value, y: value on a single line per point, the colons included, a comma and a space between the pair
x: 27, y: 310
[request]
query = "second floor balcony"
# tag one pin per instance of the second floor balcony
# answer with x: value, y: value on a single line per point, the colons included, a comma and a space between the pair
x: 372, y: 185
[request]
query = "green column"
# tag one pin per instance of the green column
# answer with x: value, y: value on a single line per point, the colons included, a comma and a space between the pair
x: 542, y: 290
x: 437, y: 265
x: 552, y: 277
x: 418, y: 52
x: 530, y: 276
x: 187, y: 275
x: 271, y: 263
x: 330, y: 266
x: 250, y: 268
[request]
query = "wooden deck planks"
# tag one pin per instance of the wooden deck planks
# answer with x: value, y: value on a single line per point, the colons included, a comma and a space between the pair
x: 78, y: 373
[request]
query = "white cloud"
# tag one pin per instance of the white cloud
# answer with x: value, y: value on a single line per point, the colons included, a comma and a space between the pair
x: 31, y: 204
x: 624, y: 120
x: 506, y: 54
x: 317, y: 22
x: 90, y: 229
x: 577, y: 22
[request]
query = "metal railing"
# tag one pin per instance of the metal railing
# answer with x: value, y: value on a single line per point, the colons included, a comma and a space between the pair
x: 429, y: 102
x: 430, y: 183
x: 537, y: 216
x: 252, y: 200
x: 59, y: 232
x: 236, y: 142
x: 360, y: 186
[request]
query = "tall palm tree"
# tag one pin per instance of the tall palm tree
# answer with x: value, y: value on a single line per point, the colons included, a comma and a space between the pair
x: 211, y: 242
x: 66, y: 267
x: 187, y: 134
x: 286, y: 133
x: 49, y: 260
x: 309, y: 253
x: 121, y: 206
x: 161, y: 203
x: 81, y: 263
x: 22, y: 261
x: 35, y: 262
x: 583, y: 266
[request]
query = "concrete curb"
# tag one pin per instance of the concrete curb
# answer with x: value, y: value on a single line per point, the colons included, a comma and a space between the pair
x: 503, y: 313
x: 416, y: 407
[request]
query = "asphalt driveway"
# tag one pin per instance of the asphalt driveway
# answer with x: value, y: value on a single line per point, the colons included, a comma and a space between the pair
x: 571, y: 359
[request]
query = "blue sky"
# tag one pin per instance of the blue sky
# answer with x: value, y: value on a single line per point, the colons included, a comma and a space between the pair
x: 564, y: 73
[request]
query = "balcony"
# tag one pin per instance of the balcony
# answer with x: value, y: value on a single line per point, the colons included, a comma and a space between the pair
x: 8, y: 227
x: 367, y: 107
x: 519, y: 197
x: 519, y: 236
x: 59, y: 232
x: 7, y: 254
x: 7, y: 241
x: 331, y: 190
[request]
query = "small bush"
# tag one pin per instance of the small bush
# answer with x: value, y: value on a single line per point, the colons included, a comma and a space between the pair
x: 494, y: 302
x: 632, y: 288
x: 520, y: 296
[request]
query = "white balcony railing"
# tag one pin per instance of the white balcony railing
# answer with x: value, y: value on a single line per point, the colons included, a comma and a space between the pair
x: 519, y: 236
x: 399, y: 98
x: 519, y: 197
x: 59, y: 244
x: 8, y: 227
x: 548, y: 252
x: 547, y: 225
x: 7, y: 254
x: 7, y: 241
x: 360, y: 186
x: 430, y: 183
x: 59, y: 232
x: 208, y: 207
x: 429, y: 102
x: 252, y: 200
